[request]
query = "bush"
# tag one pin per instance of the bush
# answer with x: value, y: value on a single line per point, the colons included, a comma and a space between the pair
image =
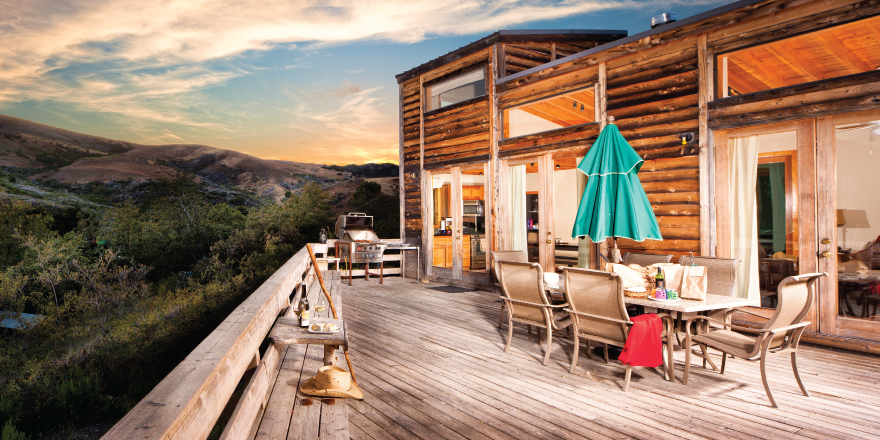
x: 10, y: 433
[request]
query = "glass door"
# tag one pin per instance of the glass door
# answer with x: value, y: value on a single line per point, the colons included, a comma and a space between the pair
x: 849, y: 224
x: 459, y: 239
x: 529, y: 209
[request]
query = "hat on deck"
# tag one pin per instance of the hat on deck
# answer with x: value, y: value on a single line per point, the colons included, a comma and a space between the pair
x: 332, y: 381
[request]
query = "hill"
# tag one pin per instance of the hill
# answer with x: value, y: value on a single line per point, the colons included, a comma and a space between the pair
x: 60, y: 167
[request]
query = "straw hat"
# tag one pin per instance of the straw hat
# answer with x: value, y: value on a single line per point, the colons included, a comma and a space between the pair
x: 332, y: 381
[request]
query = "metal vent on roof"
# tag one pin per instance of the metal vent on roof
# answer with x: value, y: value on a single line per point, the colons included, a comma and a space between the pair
x: 665, y: 18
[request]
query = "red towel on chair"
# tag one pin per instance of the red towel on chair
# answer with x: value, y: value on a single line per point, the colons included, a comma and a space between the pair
x: 643, y: 346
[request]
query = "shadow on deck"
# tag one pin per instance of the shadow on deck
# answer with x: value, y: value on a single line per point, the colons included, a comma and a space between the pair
x: 431, y: 364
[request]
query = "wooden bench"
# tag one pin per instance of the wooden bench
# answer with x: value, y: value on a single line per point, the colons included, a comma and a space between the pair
x: 287, y: 413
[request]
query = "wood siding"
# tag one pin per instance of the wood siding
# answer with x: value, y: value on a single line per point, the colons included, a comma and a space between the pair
x: 412, y: 203
x: 525, y: 55
x: 458, y: 134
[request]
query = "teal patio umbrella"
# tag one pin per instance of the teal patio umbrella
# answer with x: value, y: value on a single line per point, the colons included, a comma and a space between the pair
x: 614, y: 203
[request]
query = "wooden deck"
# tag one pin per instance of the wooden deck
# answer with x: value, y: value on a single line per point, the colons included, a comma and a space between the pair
x: 432, y: 365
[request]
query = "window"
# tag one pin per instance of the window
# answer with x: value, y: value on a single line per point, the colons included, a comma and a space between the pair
x: 830, y: 53
x: 574, y: 108
x: 460, y: 88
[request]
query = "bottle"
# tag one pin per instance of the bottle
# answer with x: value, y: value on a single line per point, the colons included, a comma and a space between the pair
x: 304, y: 309
x: 659, y: 280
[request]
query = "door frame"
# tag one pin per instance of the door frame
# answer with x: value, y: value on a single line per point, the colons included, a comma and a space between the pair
x: 830, y: 322
x: 546, y: 247
x: 456, y: 272
x: 806, y: 197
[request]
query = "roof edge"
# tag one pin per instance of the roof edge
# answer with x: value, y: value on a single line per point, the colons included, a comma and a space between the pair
x: 651, y: 32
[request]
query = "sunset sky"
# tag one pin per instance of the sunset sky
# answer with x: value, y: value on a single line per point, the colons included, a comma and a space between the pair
x: 309, y: 81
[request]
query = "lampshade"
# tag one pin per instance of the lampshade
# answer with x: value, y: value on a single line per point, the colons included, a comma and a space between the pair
x: 840, y: 220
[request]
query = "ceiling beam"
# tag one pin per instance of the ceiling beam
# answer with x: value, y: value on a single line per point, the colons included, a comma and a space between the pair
x: 545, y: 116
x: 558, y: 113
x: 739, y: 84
x: 849, y: 58
x: 758, y: 69
x: 799, y: 65
x: 562, y: 105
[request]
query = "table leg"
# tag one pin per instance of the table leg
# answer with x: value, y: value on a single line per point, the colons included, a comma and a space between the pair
x: 382, y: 272
x: 330, y: 355
x: 402, y: 264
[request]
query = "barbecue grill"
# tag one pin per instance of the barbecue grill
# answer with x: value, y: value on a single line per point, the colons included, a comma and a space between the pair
x: 359, y: 244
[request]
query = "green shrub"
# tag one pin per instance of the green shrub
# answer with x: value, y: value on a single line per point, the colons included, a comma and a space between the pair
x: 10, y: 433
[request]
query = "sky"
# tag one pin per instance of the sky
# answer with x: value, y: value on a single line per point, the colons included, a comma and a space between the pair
x: 307, y: 81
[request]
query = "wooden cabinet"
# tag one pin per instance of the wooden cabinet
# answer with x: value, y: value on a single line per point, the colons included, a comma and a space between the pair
x: 473, y: 192
x: 442, y: 256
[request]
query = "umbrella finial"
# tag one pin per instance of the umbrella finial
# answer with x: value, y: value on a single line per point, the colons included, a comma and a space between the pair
x: 611, y: 119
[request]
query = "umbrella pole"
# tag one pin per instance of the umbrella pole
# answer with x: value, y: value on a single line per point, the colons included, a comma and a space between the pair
x: 615, y: 253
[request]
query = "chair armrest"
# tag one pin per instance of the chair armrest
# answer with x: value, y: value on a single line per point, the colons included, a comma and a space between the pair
x: 786, y: 328
x: 604, y: 318
x: 732, y: 311
x: 504, y: 298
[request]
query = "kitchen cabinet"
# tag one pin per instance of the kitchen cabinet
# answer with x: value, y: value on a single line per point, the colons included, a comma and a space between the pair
x: 442, y: 256
x: 473, y: 192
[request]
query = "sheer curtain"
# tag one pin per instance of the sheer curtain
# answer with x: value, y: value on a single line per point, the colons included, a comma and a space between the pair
x: 744, y: 224
x: 518, y: 232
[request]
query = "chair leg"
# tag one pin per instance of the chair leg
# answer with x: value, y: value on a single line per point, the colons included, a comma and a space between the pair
x: 530, y: 331
x: 574, y: 356
x: 764, y: 379
x: 509, y: 333
x: 605, y: 348
x: 723, y: 362
x: 549, y: 345
x: 706, y: 358
x: 501, y: 317
x: 628, y: 374
x: 671, y: 362
x: 589, y: 347
x: 796, y: 374
x: 687, y: 359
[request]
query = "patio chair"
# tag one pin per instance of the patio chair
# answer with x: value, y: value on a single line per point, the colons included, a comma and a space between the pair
x: 780, y: 334
x: 598, y: 313
x: 522, y: 285
x: 643, y: 259
x: 518, y: 256
x: 722, y: 281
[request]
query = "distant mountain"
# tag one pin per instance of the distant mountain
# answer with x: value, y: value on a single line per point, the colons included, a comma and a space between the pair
x: 38, y: 153
x: 368, y: 169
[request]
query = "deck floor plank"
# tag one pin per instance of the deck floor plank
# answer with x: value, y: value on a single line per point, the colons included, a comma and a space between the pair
x: 403, y: 332
x: 432, y: 365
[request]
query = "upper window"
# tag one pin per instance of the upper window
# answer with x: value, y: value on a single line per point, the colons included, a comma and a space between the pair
x: 574, y: 108
x: 829, y: 53
x: 454, y: 90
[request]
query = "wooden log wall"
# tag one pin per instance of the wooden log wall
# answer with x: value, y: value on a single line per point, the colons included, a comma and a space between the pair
x: 653, y: 98
x: 457, y: 134
x: 412, y: 204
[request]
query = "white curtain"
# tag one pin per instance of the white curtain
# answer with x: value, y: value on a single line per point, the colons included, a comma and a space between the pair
x: 744, y: 222
x: 518, y: 232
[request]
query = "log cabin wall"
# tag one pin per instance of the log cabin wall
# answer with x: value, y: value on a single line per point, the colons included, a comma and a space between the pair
x: 410, y: 98
x: 653, y: 98
x: 524, y: 55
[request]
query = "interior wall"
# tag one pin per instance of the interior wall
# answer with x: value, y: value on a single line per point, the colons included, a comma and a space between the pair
x: 522, y: 123
x: 858, y: 178
x: 531, y: 182
x: 565, y: 203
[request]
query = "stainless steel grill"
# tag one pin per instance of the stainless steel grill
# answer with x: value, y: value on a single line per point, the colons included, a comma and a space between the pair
x: 359, y: 244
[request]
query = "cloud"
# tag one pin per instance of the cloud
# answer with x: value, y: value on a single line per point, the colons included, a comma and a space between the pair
x: 346, y: 89
x: 152, y: 62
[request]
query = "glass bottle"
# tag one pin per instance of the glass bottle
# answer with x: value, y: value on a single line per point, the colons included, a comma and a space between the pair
x: 303, y: 308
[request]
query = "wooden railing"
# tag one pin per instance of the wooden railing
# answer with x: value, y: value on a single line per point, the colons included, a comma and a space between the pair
x: 189, y: 401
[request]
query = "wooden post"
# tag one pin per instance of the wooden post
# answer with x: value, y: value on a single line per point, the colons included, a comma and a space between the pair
x: 602, y: 108
x: 705, y: 95
x: 400, y: 181
x: 321, y: 280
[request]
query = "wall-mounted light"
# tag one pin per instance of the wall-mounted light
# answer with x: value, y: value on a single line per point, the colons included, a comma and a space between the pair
x: 574, y: 104
x: 557, y: 166
x: 686, y: 137
x: 532, y: 164
x: 582, y: 107
x: 413, y: 175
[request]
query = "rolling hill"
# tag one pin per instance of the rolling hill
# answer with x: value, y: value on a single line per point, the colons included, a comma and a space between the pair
x: 42, y: 160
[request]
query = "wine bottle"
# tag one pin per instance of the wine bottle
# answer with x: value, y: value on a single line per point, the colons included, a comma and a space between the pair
x: 303, y: 309
x: 660, y: 282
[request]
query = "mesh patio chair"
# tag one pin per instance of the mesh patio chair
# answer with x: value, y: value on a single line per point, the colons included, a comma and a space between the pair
x: 518, y: 256
x: 780, y: 334
x: 522, y: 285
x: 643, y: 259
x: 722, y: 281
x: 598, y: 313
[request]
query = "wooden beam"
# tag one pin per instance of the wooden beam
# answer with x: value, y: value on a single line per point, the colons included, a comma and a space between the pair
x: 782, y: 53
x: 535, y: 110
x: 849, y: 58
x: 753, y: 66
x: 705, y: 95
x: 578, y: 114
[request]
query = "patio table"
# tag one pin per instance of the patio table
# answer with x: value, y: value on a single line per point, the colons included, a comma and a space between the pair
x: 712, y: 302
